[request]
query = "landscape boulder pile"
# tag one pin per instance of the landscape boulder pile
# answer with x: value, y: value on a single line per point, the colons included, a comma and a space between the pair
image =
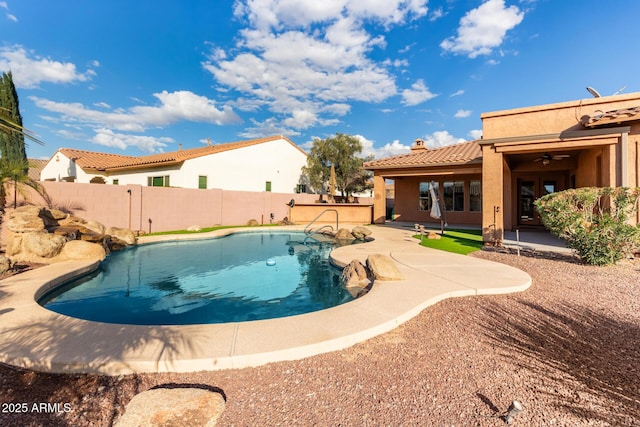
x: 43, y: 235
x: 345, y: 235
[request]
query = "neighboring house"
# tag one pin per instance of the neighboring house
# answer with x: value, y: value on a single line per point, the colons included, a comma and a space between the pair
x: 524, y: 154
x: 35, y: 167
x: 266, y: 164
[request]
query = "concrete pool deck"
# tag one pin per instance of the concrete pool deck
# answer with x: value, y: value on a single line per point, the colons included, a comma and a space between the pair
x: 35, y: 338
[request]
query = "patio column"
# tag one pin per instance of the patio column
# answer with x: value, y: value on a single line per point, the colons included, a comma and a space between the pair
x: 492, y: 195
x: 379, y: 200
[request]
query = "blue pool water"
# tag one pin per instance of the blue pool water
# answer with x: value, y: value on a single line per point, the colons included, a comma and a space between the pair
x: 241, y: 277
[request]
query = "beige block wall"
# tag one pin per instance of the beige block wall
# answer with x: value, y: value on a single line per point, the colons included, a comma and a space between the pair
x: 346, y: 213
x: 167, y: 208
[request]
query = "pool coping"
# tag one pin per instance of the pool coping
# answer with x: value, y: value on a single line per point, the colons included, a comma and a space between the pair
x: 35, y: 338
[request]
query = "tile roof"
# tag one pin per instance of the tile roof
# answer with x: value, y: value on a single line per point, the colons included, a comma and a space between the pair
x: 35, y: 167
x: 94, y: 160
x: 105, y: 161
x: 457, y: 154
x: 613, y: 116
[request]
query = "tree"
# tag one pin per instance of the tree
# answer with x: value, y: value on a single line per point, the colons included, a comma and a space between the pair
x: 343, y: 152
x: 12, y: 147
x: 14, y: 166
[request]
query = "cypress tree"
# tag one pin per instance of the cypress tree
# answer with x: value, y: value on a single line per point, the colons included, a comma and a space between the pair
x: 12, y: 146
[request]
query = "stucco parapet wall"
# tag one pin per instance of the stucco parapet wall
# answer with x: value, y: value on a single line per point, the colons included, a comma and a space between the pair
x: 574, y: 135
x: 586, y: 102
x: 35, y: 338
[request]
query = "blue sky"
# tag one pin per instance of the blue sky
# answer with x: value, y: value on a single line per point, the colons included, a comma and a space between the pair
x: 138, y: 77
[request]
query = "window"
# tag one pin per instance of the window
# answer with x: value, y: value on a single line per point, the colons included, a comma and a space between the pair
x: 453, y: 196
x: 301, y: 188
x: 116, y: 182
x: 424, y: 197
x: 268, y: 186
x: 475, y: 196
x: 158, y: 181
x: 202, y: 182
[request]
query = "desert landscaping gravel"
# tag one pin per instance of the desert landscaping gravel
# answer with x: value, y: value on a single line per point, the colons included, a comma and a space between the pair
x: 568, y: 348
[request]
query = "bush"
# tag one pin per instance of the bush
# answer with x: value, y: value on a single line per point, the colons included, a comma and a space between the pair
x: 593, y: 221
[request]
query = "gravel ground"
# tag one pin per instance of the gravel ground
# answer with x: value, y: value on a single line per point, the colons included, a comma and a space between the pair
x: 568, y: 348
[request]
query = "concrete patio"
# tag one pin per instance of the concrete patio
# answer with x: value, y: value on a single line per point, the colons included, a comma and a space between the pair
x: 36, y: 338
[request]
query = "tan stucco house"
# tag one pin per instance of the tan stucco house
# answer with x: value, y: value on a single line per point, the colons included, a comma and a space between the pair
x: 524, y: 154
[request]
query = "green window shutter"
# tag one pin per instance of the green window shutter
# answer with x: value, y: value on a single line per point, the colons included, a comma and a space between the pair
x: 202, y: 182
x: 268, y: 186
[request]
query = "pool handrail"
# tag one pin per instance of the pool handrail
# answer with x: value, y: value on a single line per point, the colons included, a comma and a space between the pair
x: 307, y: 228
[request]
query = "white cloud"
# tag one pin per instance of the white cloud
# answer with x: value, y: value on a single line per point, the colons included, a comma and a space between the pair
x: 484, y: 28
x: 475, y: 134
x: 390, y: 149
x: 305, y: 60
x: 436, y: 14
x: 457, y: 93
x: 10, y: 17
x: 269, y: 126
x: 174, y: 107
x: 183, y: 106
x: 275, y: 14
x: 150, y: 144
x: 29, y: 70
x: 418, y: 94
x: 441, y: 138
x: 461, y: 114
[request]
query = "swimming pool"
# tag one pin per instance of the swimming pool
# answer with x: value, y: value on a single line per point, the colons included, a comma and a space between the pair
x: 240, y: 277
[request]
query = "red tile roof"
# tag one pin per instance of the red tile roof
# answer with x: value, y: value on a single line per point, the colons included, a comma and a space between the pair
x: 94, y: 160
x: 105, y: 161
x: 457, y: 154
x: 609, y: 117
x: 35, y: 167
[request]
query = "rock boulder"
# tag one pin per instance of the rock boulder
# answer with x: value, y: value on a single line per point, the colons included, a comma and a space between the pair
x: 80, y: 250
x: 360, y: 232
x: 355, y: 274
x: 122, y: 234
x: 344, y: 235
x: 433, y: 236
x: 5, y: 264
x: 173, y: 407
x: 25, y: 219
x: 382, y: 267
x: 42, y: 244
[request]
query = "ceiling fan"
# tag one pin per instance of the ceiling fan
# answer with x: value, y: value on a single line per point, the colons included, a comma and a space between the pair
x: 546, y: 158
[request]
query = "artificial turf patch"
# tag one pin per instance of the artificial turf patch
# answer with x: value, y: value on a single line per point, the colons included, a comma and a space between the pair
x: 458, y: 241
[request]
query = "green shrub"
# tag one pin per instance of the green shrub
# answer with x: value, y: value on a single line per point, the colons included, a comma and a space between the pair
x: 593, y: 221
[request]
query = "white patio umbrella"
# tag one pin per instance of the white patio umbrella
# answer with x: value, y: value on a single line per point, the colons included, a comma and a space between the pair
x: 435, y: 204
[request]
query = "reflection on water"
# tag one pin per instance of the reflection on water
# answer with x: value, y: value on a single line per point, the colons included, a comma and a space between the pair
x: 206, y: 281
